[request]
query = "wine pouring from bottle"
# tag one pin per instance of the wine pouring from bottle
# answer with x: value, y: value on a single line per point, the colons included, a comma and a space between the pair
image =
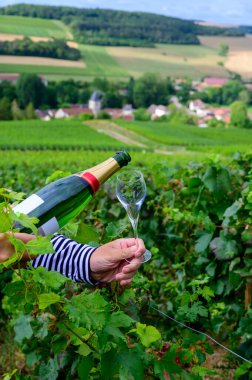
x: 60, y: 201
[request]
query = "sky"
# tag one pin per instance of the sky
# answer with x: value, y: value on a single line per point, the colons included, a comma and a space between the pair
x: 217, y: 11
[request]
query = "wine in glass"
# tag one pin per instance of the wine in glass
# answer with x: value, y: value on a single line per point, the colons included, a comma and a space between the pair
x: 131, y: 191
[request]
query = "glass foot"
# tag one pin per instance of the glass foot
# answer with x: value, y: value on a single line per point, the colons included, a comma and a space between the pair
x: 146, y: 256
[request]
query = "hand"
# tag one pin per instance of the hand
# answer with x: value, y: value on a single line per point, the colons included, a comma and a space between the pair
x: 7, y: 249
x: 107, y: 262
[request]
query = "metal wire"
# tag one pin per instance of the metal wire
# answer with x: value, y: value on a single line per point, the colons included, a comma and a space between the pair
x: 202, y: 333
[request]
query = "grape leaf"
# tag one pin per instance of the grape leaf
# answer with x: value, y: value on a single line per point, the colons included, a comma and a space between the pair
x: 49, y: 370
x: 120, y: 319
x: 50, y: 280
x: 87, y: 310
x: 147, y: 334
x: 203, y: 242
x: 39, y: 246
x: 23, y: 328
x: 47, y: 299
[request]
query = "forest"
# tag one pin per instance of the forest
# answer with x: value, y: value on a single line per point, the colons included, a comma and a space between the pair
x: 120, y: 28
x: 53, y: 49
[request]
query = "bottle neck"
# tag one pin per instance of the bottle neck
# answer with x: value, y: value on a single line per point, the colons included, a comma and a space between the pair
x: 99, y: 174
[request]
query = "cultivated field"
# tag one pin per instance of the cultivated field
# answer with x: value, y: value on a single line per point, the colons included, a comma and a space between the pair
x: 40, y: 134
x: 39, y: 61
x: 190, y: 61
x: 29, y: 26
x: 170, y: 60
x: 175, y: 140
x: 240, y: 53
x: 221, y: 141
x: 99, y: 62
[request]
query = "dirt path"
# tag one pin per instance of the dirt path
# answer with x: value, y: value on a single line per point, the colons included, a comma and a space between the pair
x: 126, y: 136
x: 119, y: 133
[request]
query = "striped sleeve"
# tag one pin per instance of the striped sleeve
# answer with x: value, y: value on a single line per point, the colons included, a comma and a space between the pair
x: 71, y: 259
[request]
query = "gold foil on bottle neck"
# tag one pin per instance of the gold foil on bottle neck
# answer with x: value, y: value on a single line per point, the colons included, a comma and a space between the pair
x: 102, y: 172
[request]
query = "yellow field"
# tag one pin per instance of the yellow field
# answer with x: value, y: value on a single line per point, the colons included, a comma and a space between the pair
x: 170, y: 60
x: 239, y: 57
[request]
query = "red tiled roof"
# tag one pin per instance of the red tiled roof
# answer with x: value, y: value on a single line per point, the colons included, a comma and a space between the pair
x: 211, y: 81
x: 76, y: 111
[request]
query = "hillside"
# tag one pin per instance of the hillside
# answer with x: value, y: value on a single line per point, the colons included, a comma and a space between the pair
x: 120, y: 28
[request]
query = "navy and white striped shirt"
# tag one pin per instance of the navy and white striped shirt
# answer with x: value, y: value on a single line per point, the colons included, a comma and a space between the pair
x: 70, y: 259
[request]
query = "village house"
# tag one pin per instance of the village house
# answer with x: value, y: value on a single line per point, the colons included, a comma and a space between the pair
x: 175, y: 101
x: 127, y: 110
x: 198, y: 107
x: 211, y: 82
x: 75, y: 110
x: 158, y: 111
x: 221, y: 114
x: 45, y: 115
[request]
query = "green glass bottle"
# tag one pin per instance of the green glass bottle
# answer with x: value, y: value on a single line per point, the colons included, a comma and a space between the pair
x: 60, y: 201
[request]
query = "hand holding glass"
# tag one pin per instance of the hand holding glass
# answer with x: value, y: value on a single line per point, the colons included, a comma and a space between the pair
x: 131, y: 191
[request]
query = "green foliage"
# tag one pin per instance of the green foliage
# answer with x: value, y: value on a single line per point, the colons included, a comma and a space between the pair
x: 141, y: 114
x: 5, y: 109
x: 30, y: 89
x: 223, y: 50
x: 110, y: 27
x: 150, y: 89
x: 26, y: 47
x: 196, y: 220
x: 239, y: 115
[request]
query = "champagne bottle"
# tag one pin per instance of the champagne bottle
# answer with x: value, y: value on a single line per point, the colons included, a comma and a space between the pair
x: 60, y: 201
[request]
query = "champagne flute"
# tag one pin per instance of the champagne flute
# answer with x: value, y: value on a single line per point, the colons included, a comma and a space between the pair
x: 131, y: 192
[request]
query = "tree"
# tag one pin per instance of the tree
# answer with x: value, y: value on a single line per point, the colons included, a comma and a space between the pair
x: 149, y: 89
x: 67, y: 92
x: 141, y: 114
x: 30, y: 89
x: 17, y: 113
x: 5, y: 109
x: 214, y: 123
x: 223, y: 50
x: 29, y: 112
x: 180, y: 115
x: 7, y: 90
x: 231, y: 91
x: 184, y: 92
x: 244, y: 96
x: 239, y: 115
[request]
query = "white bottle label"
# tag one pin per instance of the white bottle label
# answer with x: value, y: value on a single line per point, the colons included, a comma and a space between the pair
x: 50, y: 227
x: 29, y: 204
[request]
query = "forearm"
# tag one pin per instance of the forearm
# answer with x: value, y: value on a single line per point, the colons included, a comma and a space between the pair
x: 70, y: 259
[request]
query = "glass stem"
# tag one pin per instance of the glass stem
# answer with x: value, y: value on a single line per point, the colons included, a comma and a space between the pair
x: 134, y: 226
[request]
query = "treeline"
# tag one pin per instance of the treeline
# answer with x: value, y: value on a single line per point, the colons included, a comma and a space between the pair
x: 140, y: 93
x: 30, y: 89
x: 53, y: 49
x: 217, y: 31
x: 110, y: 27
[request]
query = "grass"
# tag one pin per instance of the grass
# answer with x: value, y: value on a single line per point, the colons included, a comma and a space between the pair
x: 70, y: 72
x: 191, y: 136
x: 29, y: 26
x: 100, y: 63
x: 60, y: 133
